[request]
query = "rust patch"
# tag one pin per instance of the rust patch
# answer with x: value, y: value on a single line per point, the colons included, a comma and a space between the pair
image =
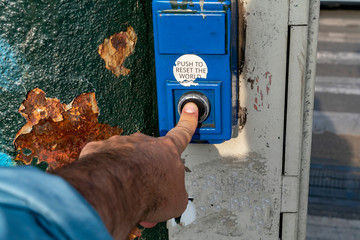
x: 135, y: 233
x: 115, y: 50
x: 55, y: 132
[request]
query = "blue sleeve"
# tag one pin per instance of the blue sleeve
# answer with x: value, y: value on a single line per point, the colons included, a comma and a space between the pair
x: 41, y: 206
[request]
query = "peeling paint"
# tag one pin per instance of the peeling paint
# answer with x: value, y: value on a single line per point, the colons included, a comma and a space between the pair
x: 55, y: 132
x: 115, y: 50
x: 201, y: 3
x: 183, y: 5
x: 261, y: 84
x: 6, y: 161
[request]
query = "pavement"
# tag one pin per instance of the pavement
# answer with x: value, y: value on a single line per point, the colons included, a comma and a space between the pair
x: 334, y: 193
x: 332, y: 228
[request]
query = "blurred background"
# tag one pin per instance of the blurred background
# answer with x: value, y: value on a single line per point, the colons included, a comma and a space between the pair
x: 334, y: 194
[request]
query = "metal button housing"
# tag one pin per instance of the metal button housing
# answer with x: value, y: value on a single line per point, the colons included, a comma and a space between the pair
x: 199, y: 99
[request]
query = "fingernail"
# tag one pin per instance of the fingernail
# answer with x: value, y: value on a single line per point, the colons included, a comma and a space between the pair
x: 142, y: 225
x: 190, y: 108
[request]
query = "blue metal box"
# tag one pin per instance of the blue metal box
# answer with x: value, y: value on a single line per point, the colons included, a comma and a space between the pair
x: 196, y: 51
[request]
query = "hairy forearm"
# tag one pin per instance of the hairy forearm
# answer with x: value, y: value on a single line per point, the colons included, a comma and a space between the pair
x: 111, y: 187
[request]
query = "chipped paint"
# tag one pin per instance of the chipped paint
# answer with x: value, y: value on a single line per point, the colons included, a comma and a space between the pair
x: 183, y: 5
x: 55, y: 132
x: 259, y: 99
x: 115, y: 50
x: 201, y: 3
x: 6, y: 161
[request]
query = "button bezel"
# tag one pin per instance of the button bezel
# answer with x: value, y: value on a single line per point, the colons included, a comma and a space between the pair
x: 199, y: 99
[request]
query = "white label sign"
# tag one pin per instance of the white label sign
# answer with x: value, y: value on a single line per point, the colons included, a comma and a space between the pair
x: 188, y: 68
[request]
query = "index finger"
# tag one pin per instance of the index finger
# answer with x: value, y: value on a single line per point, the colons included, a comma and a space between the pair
x: 185, y: 129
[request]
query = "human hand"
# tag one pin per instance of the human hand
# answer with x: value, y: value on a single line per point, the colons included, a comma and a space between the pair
x: 135, y: 178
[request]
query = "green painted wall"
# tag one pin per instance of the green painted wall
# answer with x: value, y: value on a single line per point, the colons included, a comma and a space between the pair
x: 52, y: 44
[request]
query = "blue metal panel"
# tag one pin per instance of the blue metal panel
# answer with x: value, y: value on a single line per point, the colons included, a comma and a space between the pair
x: 191, y: 33
x: 208, y: 40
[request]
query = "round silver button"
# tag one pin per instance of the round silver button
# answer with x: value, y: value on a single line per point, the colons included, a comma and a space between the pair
x: 199, y: 99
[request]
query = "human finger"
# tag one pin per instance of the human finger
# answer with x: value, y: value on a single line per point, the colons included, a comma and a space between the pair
x: 185, y: 129
x: 89, y: 148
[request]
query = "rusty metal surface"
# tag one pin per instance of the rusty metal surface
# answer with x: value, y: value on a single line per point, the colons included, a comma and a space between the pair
x: 55, y: 132
x: 116, y: 49
x: 54, y: 47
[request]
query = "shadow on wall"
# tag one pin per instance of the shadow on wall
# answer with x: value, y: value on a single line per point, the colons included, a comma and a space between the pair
x: 330, y: 145
x: 334, y: 173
